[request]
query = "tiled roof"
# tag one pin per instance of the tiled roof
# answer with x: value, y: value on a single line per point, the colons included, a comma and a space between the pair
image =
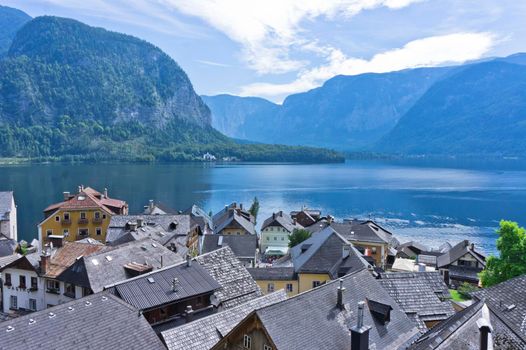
x: 7, y: 246
x: 156, y: 288
x: 312, y: 320
x: 94, y: 322
x: 67, y: 255
x: 233, y: 219
x: 243, y: 246
x: 417, y: 294
x: 6, y: 199
x: 464, y: 273
x: 272, y: 273
x: 237, y: 286
x: 8, y: 259
x: 280, y: 219
x: 107, y: 267
x: 432, y: 278
x: 363, y: 231
x: 204, y: 333
x: 506, y: 300
x: 199, y: 213
x: 457, y: 251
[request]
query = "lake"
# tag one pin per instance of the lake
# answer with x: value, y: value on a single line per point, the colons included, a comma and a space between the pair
x: 430, y: 201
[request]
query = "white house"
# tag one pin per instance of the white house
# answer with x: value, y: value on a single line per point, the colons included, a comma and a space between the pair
x: 275, y: 233
x: 8, y: 224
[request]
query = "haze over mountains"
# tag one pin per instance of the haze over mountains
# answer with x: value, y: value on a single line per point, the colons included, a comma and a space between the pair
x: 475, y: 109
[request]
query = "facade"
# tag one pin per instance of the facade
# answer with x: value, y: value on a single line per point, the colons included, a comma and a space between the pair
x: 22, y: 289
x: 86, y: 214
x: 271, y: 279
x: 462, y: 263
x: 234, y: 220
x: 8, y: 218
x: 275, y: 233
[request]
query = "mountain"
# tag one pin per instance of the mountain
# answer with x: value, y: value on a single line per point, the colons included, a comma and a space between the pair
x: 71, y: 90
x: 479, y: 110
x: 11, y: 20
x: 347, y: 112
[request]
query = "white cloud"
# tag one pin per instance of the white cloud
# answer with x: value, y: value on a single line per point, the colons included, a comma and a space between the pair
x: 269, y: 29
x: 426, y: 52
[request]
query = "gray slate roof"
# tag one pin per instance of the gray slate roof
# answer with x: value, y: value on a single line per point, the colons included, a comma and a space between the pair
x: 272, y: 273
x: 311, y: 320
x: 432, y: 278
x: 105, y: 323
x: 8, y: 259
x: 416, y: 293
x: 155, y: 288
x: 6, y: 199
x: 105, y: 268
x: 280, y: 219
x: 7, y: 246
x: 233, y: 216
x: 243, y: 246
x: 237, y: 285
x: 456, y: 252
x: 204, y: 333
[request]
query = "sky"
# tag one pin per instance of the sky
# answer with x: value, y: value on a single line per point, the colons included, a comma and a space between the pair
x: 274, y: 48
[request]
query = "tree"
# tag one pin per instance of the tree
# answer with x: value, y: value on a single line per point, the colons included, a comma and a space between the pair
x: 297, y: 236
x: 511, y: 261
x: 254, y: 208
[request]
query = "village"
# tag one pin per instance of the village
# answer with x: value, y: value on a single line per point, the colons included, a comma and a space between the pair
x: 162, y: 278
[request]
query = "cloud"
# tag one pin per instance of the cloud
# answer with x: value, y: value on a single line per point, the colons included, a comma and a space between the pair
x: 269, y: 30
x: 214, y: 64
x: 427, y: 52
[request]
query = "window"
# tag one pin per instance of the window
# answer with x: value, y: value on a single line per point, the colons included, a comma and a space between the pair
x: 70, y: 290
x: 282, y: 238
x: 289, y: 287
x: 373, y: 250
x: 98, y: 230
x: 239, y: 233
x: 316, y: 284
x: 13, y: 302
x: 271, y: 228
x: 49, y: 232
x: 267, y: 347
x: 97, y: 215
x: 22, y: 280
x: 34, y: 283
x: 66, y: 232
x: 247, y: 342
x: 83, y: 232
x: 33, y: 304
x: 86, y: 291
x: 268, y: 238
x: 103, y: 216
x: 53, y: 286
x: 275, y: 238
x: 270, y: 287
x: 66, y: 216
x: 82, y: 215
x: 57, y: 218
x: 7, y: 279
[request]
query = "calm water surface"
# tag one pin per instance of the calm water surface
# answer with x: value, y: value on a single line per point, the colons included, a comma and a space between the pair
x: 429, y: 201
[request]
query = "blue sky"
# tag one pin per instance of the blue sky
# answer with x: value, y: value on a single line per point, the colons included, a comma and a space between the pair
x: 273, y: 48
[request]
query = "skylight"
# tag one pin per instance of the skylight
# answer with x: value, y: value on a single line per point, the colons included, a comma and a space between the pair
x: 151, y: 280
x: 94, y: 262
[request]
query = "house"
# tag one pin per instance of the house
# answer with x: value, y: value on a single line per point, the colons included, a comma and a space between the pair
x: 354, y: 312
x: 275, y: 233
x: 22, y: 289
x: 157, y: 209
x: 423, y: 296
x: 271, y: 279
x: 306, y: 217
x: 174, y: 294
x: 8, y: 223
x: 201, y: 217
x: 179, y: 233
x: 93, y: 272
x: 204, y: 333
x: 421, y: 253
x: 99, y: 321
x: 461, y: 263
x: 81, y: 215
x: 234, y: 220
x: 244, y: 246
x: 366, y: 236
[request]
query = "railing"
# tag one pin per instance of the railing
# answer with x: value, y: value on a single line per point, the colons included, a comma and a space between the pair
x: 66, y: 221
x: 53, y: 290
x: 83, y: 221
x: 97, y: 220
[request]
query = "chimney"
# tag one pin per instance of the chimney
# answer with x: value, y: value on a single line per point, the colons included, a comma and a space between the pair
x: 80, y: 189
x: 105, y: 192
x: 220, y: 241
x: 188, y: 260
x: 421, y: 267
x: 472, y: 246
x: 273, y: 216
x: 346, y: 251
x: 175, y: 284
x: 140, y: 222
x: 189, y: 314
x: 360, y: 333
x: 150, y: 204
x: 484, y: 329
x: 56, y: 241
x: 241, y: 206
x: 294, y: 221
x: 66, y: 195
x: 281, y: 213
x: 132, y: 226
x: 44, y: 262
x: 341, y: 290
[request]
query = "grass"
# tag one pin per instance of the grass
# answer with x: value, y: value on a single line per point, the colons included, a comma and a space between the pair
x: 456, y: 296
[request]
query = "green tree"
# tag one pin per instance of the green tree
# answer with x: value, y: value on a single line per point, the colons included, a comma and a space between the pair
x: 297, y: 236
x: 254, y: 208
x: 465, y: 289
x: 512, y: 259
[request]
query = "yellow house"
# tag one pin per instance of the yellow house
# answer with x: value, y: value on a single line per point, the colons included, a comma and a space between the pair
x: 271, y: 279
x: 86, y: 214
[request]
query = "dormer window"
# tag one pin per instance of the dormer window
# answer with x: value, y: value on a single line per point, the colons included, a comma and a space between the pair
x: 380, y: 311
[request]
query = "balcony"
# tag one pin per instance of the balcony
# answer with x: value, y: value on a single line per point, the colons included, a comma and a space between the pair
x: 97, y: 220
x: 83, y: 221
x: 66, y: 222
x: 53, y: 291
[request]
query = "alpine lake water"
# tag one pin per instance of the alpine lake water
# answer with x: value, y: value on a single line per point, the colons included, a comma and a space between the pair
x: 426, y: 200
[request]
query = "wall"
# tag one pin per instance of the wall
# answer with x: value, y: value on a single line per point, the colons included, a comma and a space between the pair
x: 234, y: 231
x: 281, y: 284
x: 23, y: 295
x: 251, y: 327
x: 305, y: 280
x: 380, y: 257
x: 9, y: 227
x: 274, y: 236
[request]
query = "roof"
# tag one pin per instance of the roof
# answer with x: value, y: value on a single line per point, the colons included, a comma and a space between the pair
x: 6, y: 201
x: 7, y: 246
x: 113, y: 324
x: 418, y: 293
x: 272, y: 273
x: 323, y: 253
x: 107, y: 267
x: 8, y: 259
x: 312, y: 320
x: 87, y: 198
x: 457, y: 251
x: 506, y: 300
x: 156, y: 288
x: 464, y: 273
x: 243, y: 246
x: 204, y: 333
x: 198, y: 212
x: 67, y: 255
x: 364, y: 231
x: 237, y: 285
x: 232, y: 218
x: 281, y: 220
